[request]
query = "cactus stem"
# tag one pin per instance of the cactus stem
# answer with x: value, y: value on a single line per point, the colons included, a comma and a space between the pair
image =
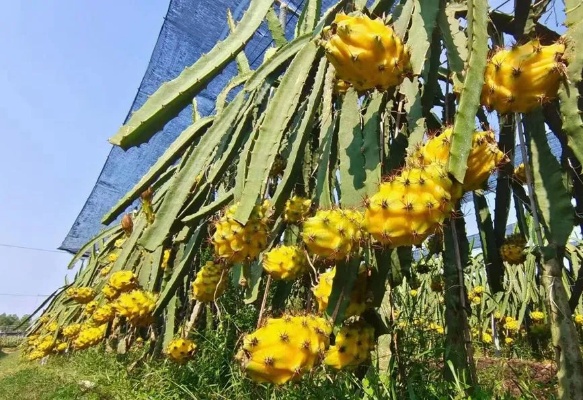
x: 529, y: 180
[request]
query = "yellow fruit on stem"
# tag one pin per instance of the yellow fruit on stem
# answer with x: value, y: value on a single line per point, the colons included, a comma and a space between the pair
x: 296, y: 209
x: 123, y: 281
x: 512, y: 250
x: 81, y: 295
x: 103, y: 314
x: 234, y: 242
x: 88, y: 337
x: 284, y: 348
x: 352, y: 346
x: 210, y: 282
x: 136, y: 306
x: 365, y: 52
x: 334, y: 234
x: 358, y: 295
x: 285, y: 262
x: 180, y: 350
x: 411, y: 206
x: 484, y: 157
x: 521, y: 78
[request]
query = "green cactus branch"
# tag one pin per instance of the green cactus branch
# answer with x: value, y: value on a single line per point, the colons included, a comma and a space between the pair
x: 300, y: 139
x: 175, y: 95
x: 464, y: 125
x: 172, y: 153
x: 552, y: 198
x: 277, y: 117
x: 322, y: 193
x: 183, y: 181
x: 350, y: 143
x: 570, y: 94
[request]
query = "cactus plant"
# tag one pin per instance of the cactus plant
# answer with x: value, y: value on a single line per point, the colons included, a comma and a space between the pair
x: 292, y: 176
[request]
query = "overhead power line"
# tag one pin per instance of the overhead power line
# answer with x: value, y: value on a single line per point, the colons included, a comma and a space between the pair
x: 13, y: 246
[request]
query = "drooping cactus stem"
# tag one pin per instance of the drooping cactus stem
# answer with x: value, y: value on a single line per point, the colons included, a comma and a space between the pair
x: 529, y: 179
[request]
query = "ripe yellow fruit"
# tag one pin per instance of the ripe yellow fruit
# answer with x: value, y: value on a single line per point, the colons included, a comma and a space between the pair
x: 358, y: 295
x: 123, y: 281
x: 165, y: 259
x: 512, y: 251
x: 71, y: 331
x: 180, y: 350
x: 112, y: 257
x: 103, y: 314
x: 537, y: 316
x: 296, y: 209
x: 520, y: 174
x: 484, y: 158
x: 90, y: 307
x: 334, y: 234
x: 521, y: 78
x: 578, y: 319
x: 105, y: 270
x: 237, y: 243
x: 285, y: 262
x: 109, y: 292
x: 511, y: 324
x: 210, y: 283
x: 352, y: 346
x: 365, y: 52
x: 136, y: 306
x: 60, y: 347
x: 89, y: 336
x: 284, y: 348
x: 82, y: 295
x: 411, y: 206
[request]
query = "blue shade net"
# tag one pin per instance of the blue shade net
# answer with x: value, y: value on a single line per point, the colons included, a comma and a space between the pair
x: 191, y: 28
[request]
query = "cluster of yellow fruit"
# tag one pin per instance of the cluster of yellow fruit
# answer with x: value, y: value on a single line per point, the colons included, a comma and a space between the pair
x: 119, y: 282
x: 103, y: 314
x: 89, y: 336
x: 352, y: 346
x: 578, y: 318
x: 180, y: 350
x: 413, y: 205
x: 521, y: 78
x: 284, y: 348
x: 365, y: 52
x: 38, y: 346
x: 296, y: 209
x: 136, y: 306
x: 512, y: 250
x: 236, y: 243
x: 511, y: 324
x: 81, y: 295
x: 166, y: 259
x: 475, y: 295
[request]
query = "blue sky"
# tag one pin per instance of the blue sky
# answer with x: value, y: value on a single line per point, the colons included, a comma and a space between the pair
x: 69, y: 71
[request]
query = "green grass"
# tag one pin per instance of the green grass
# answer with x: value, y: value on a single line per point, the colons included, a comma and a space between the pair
x: 206, y: 377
